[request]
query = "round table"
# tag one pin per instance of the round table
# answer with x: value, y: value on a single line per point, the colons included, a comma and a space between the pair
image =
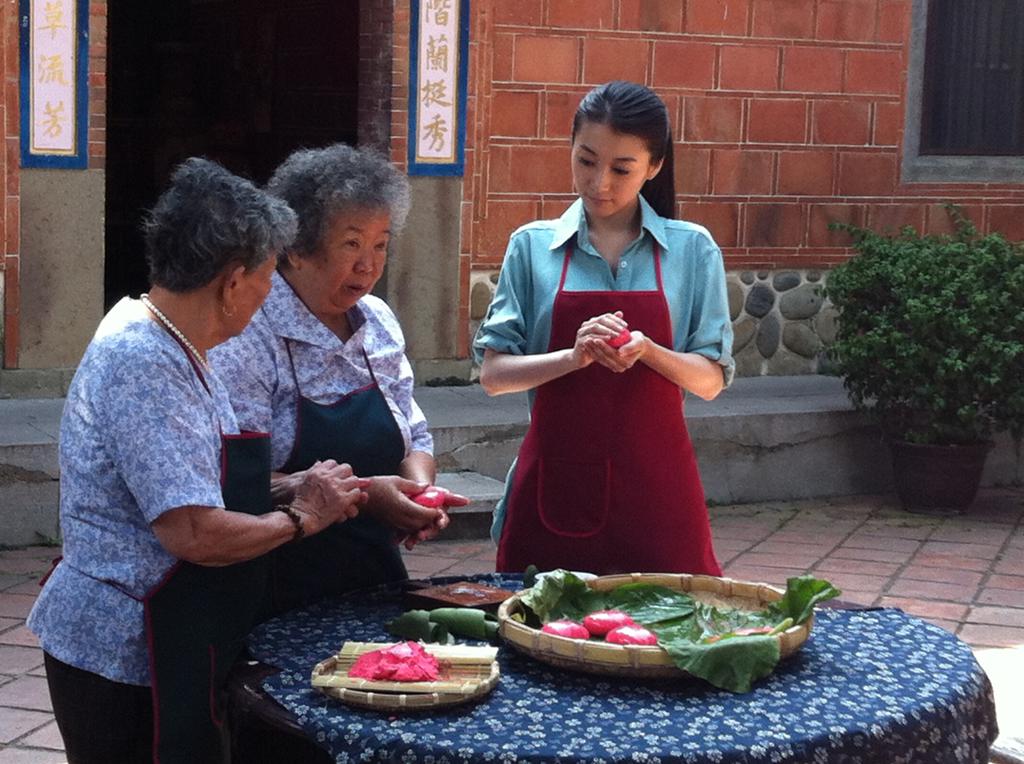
x: 872, y: 685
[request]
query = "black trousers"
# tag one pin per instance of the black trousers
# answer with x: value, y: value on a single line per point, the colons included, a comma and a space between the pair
x: 101, y: 721
x: 105, y: 722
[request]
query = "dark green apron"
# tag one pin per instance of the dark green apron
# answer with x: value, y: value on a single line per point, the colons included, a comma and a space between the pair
x: 358, y: 429
x: 197, y: 619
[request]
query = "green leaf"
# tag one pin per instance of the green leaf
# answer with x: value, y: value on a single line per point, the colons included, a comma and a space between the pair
x: 730, y: 664
x: 723, y: 621
x: 561, y: 594
x: 649, y: 604
x: 802, y: 594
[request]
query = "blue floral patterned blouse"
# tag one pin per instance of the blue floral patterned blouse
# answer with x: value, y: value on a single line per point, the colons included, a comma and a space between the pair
x: 140, y: 435
x: 258, y: 374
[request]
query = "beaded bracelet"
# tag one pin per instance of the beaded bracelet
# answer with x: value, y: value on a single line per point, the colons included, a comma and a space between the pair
x: 296, y: 519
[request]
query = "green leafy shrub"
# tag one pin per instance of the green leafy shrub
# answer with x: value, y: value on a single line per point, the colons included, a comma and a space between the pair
x: 931, y: 332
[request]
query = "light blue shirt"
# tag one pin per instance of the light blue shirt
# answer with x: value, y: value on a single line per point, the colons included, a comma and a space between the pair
x: 140, y: 435
x: 256, y: 370
x: 518, y: 320
x: 693, y: 276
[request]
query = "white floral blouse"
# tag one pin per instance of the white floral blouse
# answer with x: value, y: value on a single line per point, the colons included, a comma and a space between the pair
x: 258, y: 373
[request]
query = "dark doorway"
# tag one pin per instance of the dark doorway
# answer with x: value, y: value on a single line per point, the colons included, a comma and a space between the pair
x: 244, y: 82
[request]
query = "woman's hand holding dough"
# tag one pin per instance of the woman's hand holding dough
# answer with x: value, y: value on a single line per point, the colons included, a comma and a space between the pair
x: 608, y: 341
x: 329, y: 493
x: 391, y: 502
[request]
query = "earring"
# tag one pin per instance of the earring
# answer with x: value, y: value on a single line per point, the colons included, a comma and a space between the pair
x: 224, y: 309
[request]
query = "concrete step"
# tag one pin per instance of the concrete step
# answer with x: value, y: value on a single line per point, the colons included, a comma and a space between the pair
x: 28, y: 471
x: 473, y: 432
x: 764, y: 439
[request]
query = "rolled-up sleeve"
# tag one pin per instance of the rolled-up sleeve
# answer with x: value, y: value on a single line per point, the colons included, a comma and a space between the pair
x: 504, y: 328
x: 399, y: 382
x: 710, y: 333
x: 419, y: 432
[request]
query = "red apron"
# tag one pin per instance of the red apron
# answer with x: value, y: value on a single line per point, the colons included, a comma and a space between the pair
x: 606, y: 479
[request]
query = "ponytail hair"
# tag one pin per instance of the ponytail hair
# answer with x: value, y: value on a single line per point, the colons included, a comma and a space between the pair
x: 632, y: 109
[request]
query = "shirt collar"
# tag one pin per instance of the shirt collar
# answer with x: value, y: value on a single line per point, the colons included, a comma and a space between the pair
x: 568, y: 224
x: 654, y: 223
x: 289, y: 317
x: 574, y: 222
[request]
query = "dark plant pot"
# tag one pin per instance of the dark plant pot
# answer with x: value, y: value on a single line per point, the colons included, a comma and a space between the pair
x: 937, y: 478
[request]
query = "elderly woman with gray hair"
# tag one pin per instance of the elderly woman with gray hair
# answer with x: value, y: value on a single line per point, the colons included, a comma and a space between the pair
x: 322, y: 367
x: 166, y: 506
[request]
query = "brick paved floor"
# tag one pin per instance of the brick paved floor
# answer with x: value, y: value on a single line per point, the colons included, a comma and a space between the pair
x: 963, y: 573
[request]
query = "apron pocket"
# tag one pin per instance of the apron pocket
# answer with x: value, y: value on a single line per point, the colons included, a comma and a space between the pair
x: 572, y: 496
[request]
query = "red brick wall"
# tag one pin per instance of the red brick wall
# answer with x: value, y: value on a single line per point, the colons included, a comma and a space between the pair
x: 97, y: 150
x: 400, y: 83
x: 9, y: 220
x: 376, y: 24
x: 97, y: 84
x: 787, y: 113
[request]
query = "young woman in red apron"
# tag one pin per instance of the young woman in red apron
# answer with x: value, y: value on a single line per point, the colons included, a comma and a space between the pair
x: 606, y: 479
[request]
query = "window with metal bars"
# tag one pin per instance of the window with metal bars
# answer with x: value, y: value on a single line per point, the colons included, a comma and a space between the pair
x: 973, y: 95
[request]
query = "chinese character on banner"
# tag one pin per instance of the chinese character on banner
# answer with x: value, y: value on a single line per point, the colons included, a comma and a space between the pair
x: 437, y: 54
x: 54, y: 15
x: 51, y: 69
x: 435, y: 133
x: 54, y: 45
x: 53, y: 125
x: 437, y: 78
x: 438, y: 9
x: 434, y: 94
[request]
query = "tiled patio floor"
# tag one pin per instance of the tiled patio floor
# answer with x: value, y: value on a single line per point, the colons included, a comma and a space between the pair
x: 963, y: 573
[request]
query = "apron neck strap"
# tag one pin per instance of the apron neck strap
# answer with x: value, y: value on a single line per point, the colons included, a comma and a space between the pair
x: 295, y: 376
x: 291, y: 363
x: 565, y: 265
x: 369, y: 366
x: 568, y: 256
x: 194, y: 363
x: 657, y: 264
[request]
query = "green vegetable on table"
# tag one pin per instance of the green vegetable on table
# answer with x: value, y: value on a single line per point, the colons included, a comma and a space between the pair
x: 715, y: 644
x: 443, y: 624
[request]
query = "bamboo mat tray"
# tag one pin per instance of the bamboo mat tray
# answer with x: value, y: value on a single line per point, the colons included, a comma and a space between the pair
x: 604, y: 658
x: 467, y: 673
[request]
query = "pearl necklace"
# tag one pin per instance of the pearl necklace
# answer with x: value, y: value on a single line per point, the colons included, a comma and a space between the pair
x: 173, y: 330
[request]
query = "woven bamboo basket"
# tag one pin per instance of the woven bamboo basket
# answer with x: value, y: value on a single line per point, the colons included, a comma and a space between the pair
x: 608, y: 659
x: 467, y: 673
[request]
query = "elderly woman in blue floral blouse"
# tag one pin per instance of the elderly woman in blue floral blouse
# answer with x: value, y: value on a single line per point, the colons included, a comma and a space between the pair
x: 165, y: 504
x: 323, y: 368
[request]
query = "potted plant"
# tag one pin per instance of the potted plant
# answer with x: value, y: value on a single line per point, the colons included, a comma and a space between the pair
x: 931, y: 342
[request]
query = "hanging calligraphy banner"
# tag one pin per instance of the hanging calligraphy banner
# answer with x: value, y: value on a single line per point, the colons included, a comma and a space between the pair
x: 54, y: 86
x: 438, y: 62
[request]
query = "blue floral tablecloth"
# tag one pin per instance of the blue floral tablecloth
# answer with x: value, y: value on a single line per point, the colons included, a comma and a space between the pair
x: 869, y: 686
